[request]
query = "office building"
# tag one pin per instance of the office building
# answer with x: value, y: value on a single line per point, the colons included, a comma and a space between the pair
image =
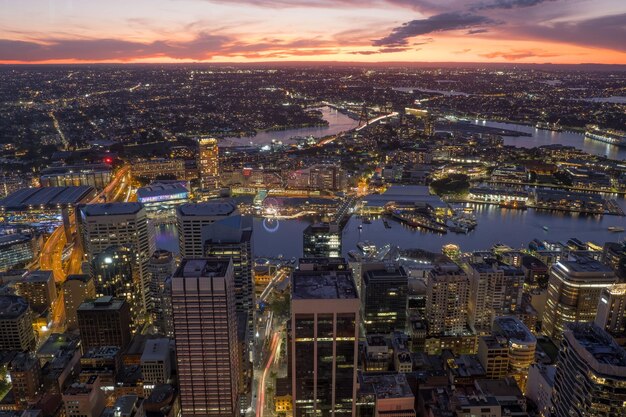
x: 447, y: 291
x: 84, y: 400
x: 104, y: 321
x: 156, y: 366
x: 540, y: 387
x: 97, y: 176
x: 115, y: 274
x: 119, y: 224
x: 16, y: 249
x: 590, y: 375
x: 152, y: 169
x: 231, y: 237
x: 16, y: 324
x: 493, y: 354
x: 160, y: 268
x: 384, y: 299
x: 611, y: 315
x: 521, y: 343
x: 76, y: 290
x: 324, y: 342
x: 39, y: 289
x: 208, y: 163
x: 25, y: 378
x: 322, y: 240
x: 191, y: 220
x: 574, y: 292
x: 385, y: 395
x: 205, y: 328
x: 614, y: 256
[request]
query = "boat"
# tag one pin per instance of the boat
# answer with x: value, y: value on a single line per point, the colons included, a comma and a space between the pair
x: 554, y: 127
x: 545, y: 228
x: 360, y: 227
x: 414, y: 220
x: 616, y: 229
x: 610, y: 136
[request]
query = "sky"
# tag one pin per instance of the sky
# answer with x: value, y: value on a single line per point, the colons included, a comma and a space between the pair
x: 129, y: 31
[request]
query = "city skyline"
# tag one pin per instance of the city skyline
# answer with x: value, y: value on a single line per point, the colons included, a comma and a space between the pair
x: 173, y: 31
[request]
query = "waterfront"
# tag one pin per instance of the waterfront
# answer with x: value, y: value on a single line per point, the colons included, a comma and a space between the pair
x: 495, y: 225
x: 337, y: 122
x: 540, y: 137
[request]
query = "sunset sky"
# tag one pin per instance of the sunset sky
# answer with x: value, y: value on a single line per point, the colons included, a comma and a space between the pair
x: 557, y: 31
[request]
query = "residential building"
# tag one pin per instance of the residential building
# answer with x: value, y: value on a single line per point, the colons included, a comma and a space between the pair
x: 76, y: 290
x: 208, y: 163
x: 16, y: 324
x: 447, y: 300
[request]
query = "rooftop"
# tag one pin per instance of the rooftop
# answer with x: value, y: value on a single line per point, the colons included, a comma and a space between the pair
x: 45, y: 197
x: 102, y: 304
x: 12, y: 306
x: 158, y: 189
x: 386, y: 385
x: 208, y: 268
x: 103, y: 352
x: 111, y: 209
x: 68, y: 169
x: 156, y: 350
x: 598, y: 343
x: 38, y: 276
x: 583, y: 264
x: 56, y: 342
x: 12, y: 239
x: 209, y: 208
x: 513, y: 329
x: 307, y: 285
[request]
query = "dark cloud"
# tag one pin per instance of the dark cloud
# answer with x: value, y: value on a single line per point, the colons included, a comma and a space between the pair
x: 438, y: 23
x: 506, y: 4
x: 389, y: 50
x: 476, y: 31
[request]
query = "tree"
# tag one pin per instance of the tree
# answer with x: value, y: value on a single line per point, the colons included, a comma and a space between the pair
x: 452, y: 184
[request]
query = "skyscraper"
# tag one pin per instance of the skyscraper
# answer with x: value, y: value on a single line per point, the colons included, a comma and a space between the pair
x: 591, y: 374
x: 208, y: 163
x: 104, y: 321
x: 115, y: 274
x: 16, y: 324
x: 324, y: 342
x: 115, y: 224
x: 574, y: 292
x: 191, y: 220
x: 322, y: 240
x: 160, y: 267
x: 447, y: 291
x: 384, y: 299
x: 205, y: 329
x: 611, y: 315
x: 76, y: 290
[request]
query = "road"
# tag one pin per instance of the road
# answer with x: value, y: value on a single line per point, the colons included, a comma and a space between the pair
x: 51, y: 256
x: 260, y: 405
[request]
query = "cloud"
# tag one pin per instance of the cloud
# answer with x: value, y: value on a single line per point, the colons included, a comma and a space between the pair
x: 385, y: 50
x: 476, y: 31
x: 506, y: 4
x: 516, y: 54
x: 203, y: 46
x: 438, y: 23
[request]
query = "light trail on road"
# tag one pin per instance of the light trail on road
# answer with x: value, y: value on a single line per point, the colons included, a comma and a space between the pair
x: 260, y: 402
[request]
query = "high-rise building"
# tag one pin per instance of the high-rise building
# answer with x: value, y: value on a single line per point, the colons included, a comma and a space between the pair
x: 16, y: 324
x: 231, y: 237
x: 447, y: 291
x: 76, y: 290
x: 117, y: 224
x: 322, y: 240
x: 324, y: 342
x: 591, y: 374
x: 39, y: 289
x: 160, y: 268
x: 611, y: 315
x: 104, y: 321
x: 521, y: 343
x: 384, y: 299
x: 16, y: 249
x: 115, y: 274
x: 25, y: 378
x: 495, y: 290
x: 208, y: 163
x: 614, y: 255
x: 205, y: 329
x: 574, y: 292
x: 156, y: 365
x: 191, y: 220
